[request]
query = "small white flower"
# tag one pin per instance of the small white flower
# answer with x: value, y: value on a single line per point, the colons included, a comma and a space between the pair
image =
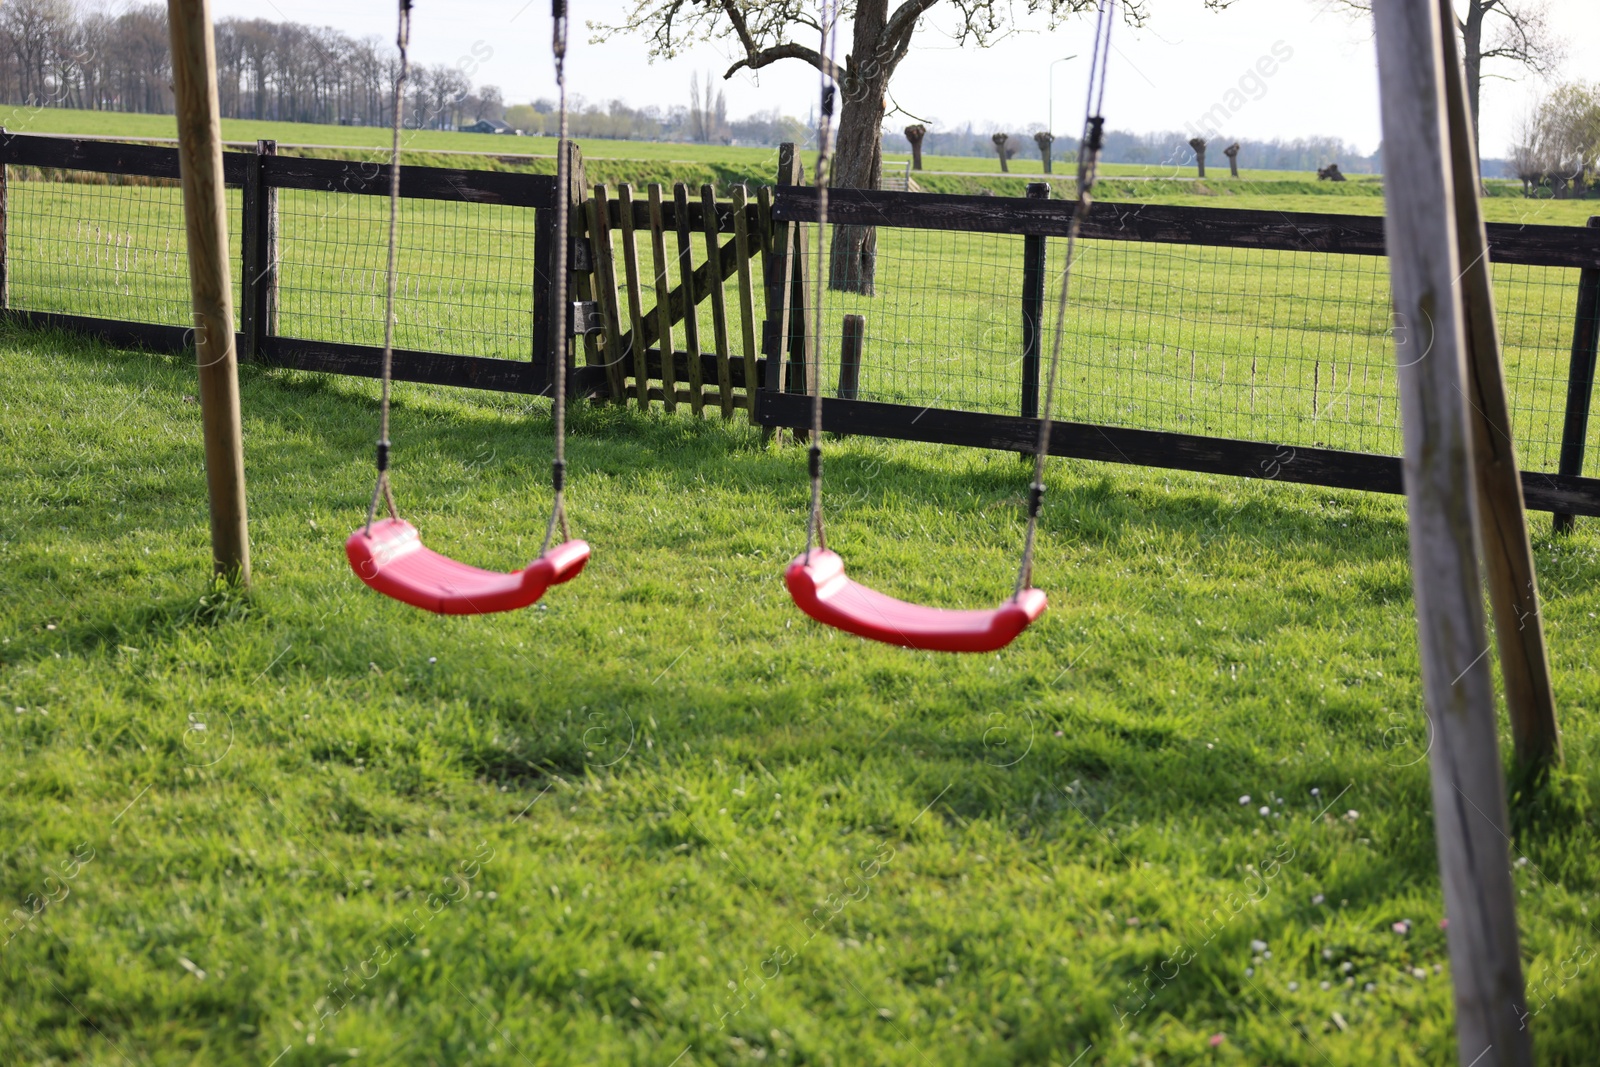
x: 1265, y: 810
x: 1318, y: 898
x: 1352, y: 815
x: 1315, y: 791
x: 1327, y: 953
x: 1346, y: 967
x: 1249, y: 972
x: 1244, y: 799
x: 1522, y: 861
x: 1294, y: 987
x: 1418, y: 972
x: 1370, y: 986
x: 1327, y: 986
x: 1258, y: 946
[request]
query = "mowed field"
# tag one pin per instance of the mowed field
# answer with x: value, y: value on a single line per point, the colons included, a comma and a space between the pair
x: 661, y: 818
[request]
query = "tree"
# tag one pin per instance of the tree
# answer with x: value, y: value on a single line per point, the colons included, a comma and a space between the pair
x: 708, y: 111
x: 768, y: 31
x: 914, y: 135
x: 1003, y: 149
x: 1044, y: 139
x: 1558, y: 146
x: 1199, y: 146
x: 1518, y: 31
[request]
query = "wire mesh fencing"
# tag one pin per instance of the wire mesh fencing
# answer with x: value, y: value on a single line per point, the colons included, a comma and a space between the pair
x: 1293, y: 348
x: 101, y: 245
x: 464, y: 273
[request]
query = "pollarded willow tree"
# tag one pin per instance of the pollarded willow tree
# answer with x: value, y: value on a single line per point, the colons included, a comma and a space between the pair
x: 878, y: 39
x: 1496, y: 31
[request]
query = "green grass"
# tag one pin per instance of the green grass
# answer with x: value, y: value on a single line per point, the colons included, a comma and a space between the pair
x: 603, y: 814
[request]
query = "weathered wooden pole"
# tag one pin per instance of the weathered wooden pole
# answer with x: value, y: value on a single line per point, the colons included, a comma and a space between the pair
x: 194, y: 91
x: 1469, y: 807
x: 1502, y: 516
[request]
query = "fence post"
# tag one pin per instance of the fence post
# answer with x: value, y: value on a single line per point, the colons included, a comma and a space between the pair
x: 194, y: 90
x: 1033, y: 271
x: 545, y: 343
x: 1468, y: 788
x: 779, y: 264
x: 1502, y: 513
x: 5, y: 276
x: 258, y: 248
x: 581, y: 259
x: 850, y: 341
x: 268, y: 287
x: 5, y: 210
x: 1580, y: 378
x: 691, y: 309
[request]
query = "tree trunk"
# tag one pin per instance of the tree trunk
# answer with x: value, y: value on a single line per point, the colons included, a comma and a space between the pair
x: 914, y: 134
x: 1199, y: 146
x: 858, y: 161
x: 1472, y: 61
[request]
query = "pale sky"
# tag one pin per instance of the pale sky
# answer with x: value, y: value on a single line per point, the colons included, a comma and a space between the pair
x: 1162, y: 77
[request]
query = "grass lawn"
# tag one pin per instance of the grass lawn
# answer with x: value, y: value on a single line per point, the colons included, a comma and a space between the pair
x: 663, y: 815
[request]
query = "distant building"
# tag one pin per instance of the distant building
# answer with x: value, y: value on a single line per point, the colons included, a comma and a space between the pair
x: 489, y: 126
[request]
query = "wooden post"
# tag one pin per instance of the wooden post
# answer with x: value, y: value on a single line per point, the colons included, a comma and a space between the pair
x: 747, y: 313
x: 719, y: 305
x: 1580, y: 378
x: 581, y: 267
x: 658, y: 255
x: 691, y: 310
x: 5, y: 208
x: 850, y: 341
x: 605, y: 290
x: 258, y: 252
x: 1033, y: 271
x: 1468, y: 793
x: 1502, y: 516
x: 779, y: 277
x: 630, y: 267
x: 205, y: 210
x: 545, y: 343
x: 802, y: 345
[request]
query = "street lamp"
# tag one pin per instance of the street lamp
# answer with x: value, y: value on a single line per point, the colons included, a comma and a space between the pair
x: 1051, y: 125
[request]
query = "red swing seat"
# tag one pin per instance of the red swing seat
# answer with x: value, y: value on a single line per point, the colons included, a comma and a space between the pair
x: 393, y: 560
x: 821, y: 589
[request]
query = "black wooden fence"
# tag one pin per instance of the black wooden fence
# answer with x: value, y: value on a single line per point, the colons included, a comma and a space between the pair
x: 261, y: 176
x: 330, y: 240
x: 789, y: 341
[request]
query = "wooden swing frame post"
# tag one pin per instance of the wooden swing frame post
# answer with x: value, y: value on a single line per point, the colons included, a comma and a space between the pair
x: 1432, y: 343
x: 194, y: 89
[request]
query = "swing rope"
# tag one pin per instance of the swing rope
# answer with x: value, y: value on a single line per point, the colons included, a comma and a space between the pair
x: 815, y: 533
x: 382, y: 487
x: 1089, y: 145
x: 558, y: 466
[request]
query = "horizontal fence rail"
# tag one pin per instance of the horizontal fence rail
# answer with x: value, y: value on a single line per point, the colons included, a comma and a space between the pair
x: 1250, y: 343
x: 1362, y: 235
